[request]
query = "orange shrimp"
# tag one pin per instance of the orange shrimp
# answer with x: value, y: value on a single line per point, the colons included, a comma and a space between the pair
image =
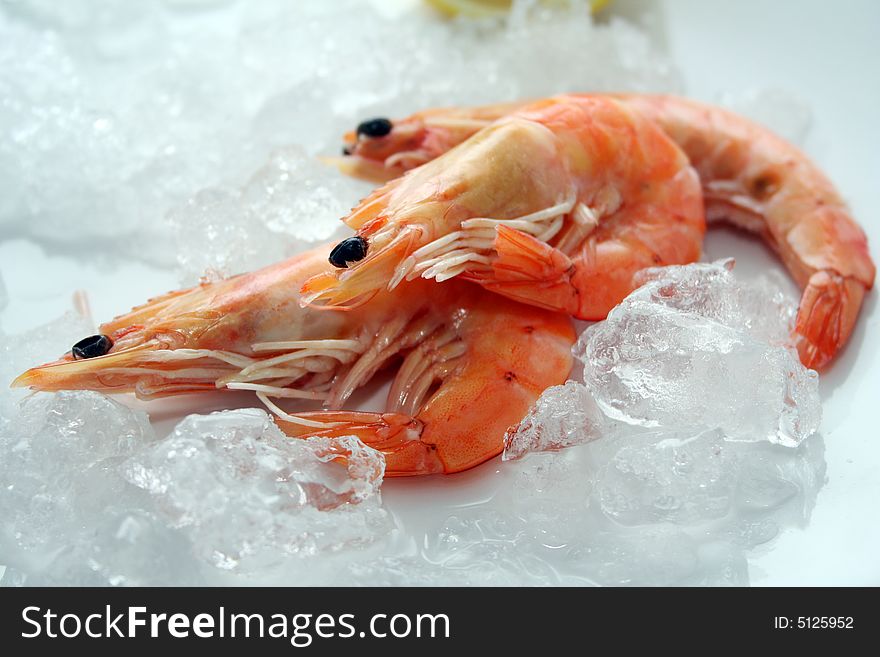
x: 557, y: 204
x: 749, y: 176
x: 472, y: 362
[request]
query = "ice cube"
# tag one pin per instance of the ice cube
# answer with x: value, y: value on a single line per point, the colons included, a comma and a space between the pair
x: 760, y: 307
x: 682, y: 352
x: 248, y: 497
x: 90, y: 496
x: 487, y: 547
x: 656, y: 555
x: 563, y: 416
x: 298, y: 196
x: 639, y: 508
x: 54, y: 454
x: 777, y: 487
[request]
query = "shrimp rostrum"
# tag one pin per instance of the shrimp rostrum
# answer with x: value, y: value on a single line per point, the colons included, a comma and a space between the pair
x: 469, y: 364
x: 747, y: 176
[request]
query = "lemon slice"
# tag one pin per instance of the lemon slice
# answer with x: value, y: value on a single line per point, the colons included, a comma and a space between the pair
x: 490, y: 8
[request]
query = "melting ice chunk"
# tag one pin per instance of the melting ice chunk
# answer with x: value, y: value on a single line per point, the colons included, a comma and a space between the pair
x: 760, y: 308
x: 248, y: 496
x: 686, y: 351
x: 563, y: 416
x: 639, y: 507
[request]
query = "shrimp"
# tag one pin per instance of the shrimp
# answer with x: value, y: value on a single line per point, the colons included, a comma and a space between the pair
x: 750, y: 178
x: 471, y: 363
x: 557, y: 204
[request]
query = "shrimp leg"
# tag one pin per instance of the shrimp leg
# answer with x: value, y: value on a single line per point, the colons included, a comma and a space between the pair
x: 459, y: 390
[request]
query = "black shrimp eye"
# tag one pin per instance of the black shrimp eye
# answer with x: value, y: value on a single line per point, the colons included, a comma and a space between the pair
x: 351, y: 249
x: 92, y: 347
x: 374, y: 128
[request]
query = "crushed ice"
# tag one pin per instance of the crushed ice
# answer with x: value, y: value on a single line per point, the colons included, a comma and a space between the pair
x: 90, y: 496
x: 248, y: 497
x: 289, y: 203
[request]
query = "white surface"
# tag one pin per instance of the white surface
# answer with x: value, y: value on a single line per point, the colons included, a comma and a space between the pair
x: 829, y: 58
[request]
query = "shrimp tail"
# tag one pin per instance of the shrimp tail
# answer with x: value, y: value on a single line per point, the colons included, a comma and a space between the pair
x: 529, y: 270
x: 396, y: 435
x: 827, y: 314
